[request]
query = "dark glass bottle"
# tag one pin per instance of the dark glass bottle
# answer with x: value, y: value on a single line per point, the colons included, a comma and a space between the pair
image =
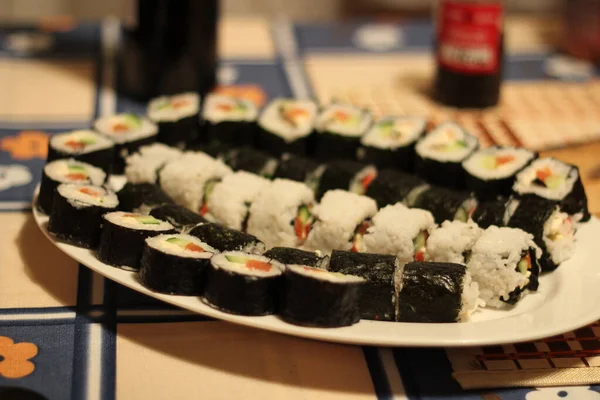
x: 469, y: 53
x: 170, y: 47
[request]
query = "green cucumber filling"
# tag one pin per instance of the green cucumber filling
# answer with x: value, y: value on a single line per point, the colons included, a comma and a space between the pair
x: 209, y: 186
x: 236, y: 259
x: 132, y: 120
x: 148, y: 220
x: 178, y: 241
x: 466, y: 210
x: 302, y: 223
x: 419, y: 243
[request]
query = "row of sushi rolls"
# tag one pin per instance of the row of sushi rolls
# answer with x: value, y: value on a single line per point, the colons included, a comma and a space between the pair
x: 316, y: 213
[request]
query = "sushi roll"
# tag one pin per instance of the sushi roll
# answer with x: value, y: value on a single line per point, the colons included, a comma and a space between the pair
x: 342, y: 219
x: 178, y: 216
x: 226, y: 239
x: 230, y: 201
x: 123, y: 238
x: 435, y: 293
x: 452, y: 242
x: 391, y: 186
x: 399, y: 231
x: 177, y: 117
x: 82, y: 145
x: 348, y: 175
x: 229, y: 120
x: 141, y: 197
x: 251, y: 160
x: 390, y: 143
x: 378, y: 299
x: 504, y: 262
x: 175, y: 264
x: 319, y: 298
x: 243, y: 284
x: 299, y: 169
x: 285, y: 126
x: 339, y: 128
x: 282, y: 214
x: 77, y: 211
x: 446, y: 204
x: 65, y: 171
x: 144, y: 165
x: 553, y: 230
x: 491, y: 172
x: 128, y: 132
x: 190, y: 179
x: 440, y: 154
x: 289, y: 255
x: 491, y: 212
x: 554, y: 180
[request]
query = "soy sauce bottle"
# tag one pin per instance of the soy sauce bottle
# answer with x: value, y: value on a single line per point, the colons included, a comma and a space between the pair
x: 469, y: 52
x: 168, y: 47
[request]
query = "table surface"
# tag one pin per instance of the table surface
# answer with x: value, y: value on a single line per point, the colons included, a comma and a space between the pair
x: 66, y: 332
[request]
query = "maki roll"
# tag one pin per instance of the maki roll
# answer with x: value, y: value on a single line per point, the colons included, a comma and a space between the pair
x: 180, y: 217
x: 65, y: 171
x: 553, y: 230
x: 288, y: 255
x: 77, y: 211
x: 82, y: 145
x: 282, y: 214
x: 342, y: 219
x: 491, y: 172
x: 440, y: 154
x: 554, y: 180
x: 348, y: 175
x: 243, y: 284
x: 299, y: 169
x: 141, y: 197
x: 378, y: 299
x: 490, y: 212
x: 504, y: 262
x: 229, y: 120
x: 435, y: 293
x: 391, y: 186
x: 452, y: 241
x: 339, y: 128
x: 446, y: 204
x: 285, y: 126
x: 400, y: 231
x: 226, y: 239
x: 129, y: 132
x: 144, y: 165
x: 390, y: 143
x: 319, y: 298
x: 123, y: 238
x: 231, y: 199
x: 251, y: 160
x: 177, y: 118
x: 175, y: 264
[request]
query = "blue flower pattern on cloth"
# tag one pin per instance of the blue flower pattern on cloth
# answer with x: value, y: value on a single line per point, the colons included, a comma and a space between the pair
x: 14, y: 175
x: 563, y: 392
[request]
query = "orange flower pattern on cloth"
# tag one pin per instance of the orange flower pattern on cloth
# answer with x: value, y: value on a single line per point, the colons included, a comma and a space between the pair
x: 26, y: 145
x: 14, y: 358
x: 253, y: 93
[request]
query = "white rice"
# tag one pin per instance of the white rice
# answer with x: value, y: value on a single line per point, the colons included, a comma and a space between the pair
x: 173, y: 108
x: 129, y: 220
x: 432, y: 145
x: 524, y: 182
x: 359, y: 121
x: 394, y: 229
x: 160, y: 243
x: 469, y: 298
x: 394, y: 132
x: 481, y: 163
x: 142, y: 166
x: 137, y: 127
x: 92, y: 140
x: 78, y: 199
x: 323, y: 275
x: 338, y: 215
x: 58, y: 170
x: 559, y: 236
x: 452, y: 240
x: 218, y: 108
x: 228, y: 201
x: 220, y: 261
x: 275, y: 208
x: 272, y: 119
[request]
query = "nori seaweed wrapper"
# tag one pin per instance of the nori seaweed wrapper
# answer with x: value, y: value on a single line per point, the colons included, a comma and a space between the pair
x: 309, y: 301
x: 289, y: 255
x: 277, y: 145
x: 231, y: 133
x: 338, y: 175
x: 377, y: 298
x: 391, y: 186
x: 213, y: 149
x: 179, y: 133
x: 490, y: 213
x: 431, y: 292
x: 136, y: 196
x: 330, y: 146
x: 226, y: 239
x: 250, y: 160
x: 178, y: 216
x: 515, y: 295
x: 576, y: 201
x: 295, y: 168
x: 441, y: 202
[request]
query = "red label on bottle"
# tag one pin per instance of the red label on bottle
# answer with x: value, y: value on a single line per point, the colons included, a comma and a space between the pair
x: 469, y: 37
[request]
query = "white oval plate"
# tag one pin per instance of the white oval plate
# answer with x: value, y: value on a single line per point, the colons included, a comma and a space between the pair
x: 567, y: 299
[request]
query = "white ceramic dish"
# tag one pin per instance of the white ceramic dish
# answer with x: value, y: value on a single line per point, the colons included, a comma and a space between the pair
x: 567, y: 299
